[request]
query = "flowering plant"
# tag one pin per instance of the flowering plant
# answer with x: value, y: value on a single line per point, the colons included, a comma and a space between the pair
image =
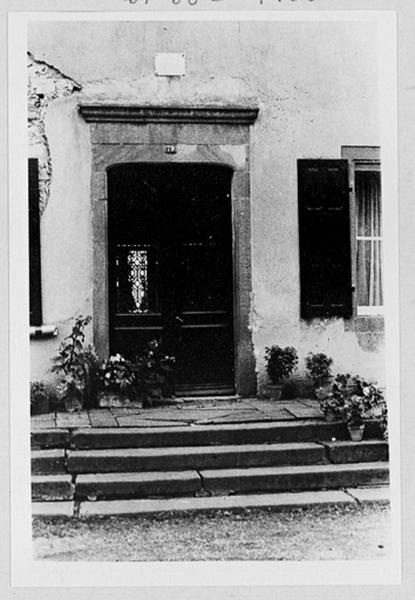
x: 354, y: 400
x: 154, y: 370
x: 117, y: 373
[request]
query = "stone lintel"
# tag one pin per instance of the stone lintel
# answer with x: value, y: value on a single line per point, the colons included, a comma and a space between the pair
x: 116, y: 113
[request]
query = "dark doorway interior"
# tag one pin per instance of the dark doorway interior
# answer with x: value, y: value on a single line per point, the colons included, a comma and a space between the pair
x: 170, y: 268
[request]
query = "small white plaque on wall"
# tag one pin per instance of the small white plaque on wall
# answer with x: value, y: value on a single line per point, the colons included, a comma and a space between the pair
x: 170, y: 64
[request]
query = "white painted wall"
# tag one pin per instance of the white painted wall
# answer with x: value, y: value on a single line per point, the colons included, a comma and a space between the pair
x: 316, y: 87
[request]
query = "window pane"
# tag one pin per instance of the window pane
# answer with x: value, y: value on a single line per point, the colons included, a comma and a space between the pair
x: 369, y: 250
x: 369, y: 273
x: 368, y: 200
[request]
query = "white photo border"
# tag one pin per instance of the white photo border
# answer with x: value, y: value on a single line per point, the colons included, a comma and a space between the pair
x: 28, y: 572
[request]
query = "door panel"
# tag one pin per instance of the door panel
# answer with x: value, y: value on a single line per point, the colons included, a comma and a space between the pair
x: 170, y: 268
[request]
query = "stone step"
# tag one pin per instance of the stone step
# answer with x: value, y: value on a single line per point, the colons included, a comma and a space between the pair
x: 49, y: 438
x: 229, y: 456
x: 222, y: 482
x: 138, y: 485
x: 354, y: 452
x: 206, y: 457
x: 194, y: 457
x: 236, y: 481
x: 276, y: 502
x: 207, y: 435
x: 48, y: 461
x: 52, y: 487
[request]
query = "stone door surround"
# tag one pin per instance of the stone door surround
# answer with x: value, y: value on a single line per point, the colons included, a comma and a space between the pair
x: 150, y: 134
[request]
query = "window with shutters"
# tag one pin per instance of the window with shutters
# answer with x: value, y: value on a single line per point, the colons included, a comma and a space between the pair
x: 340, y: 230
x: 34, y: 245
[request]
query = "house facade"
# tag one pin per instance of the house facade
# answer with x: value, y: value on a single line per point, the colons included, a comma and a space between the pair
x: 213, y: 184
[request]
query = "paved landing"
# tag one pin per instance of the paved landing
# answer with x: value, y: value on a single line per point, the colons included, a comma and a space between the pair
x: 183, y: 412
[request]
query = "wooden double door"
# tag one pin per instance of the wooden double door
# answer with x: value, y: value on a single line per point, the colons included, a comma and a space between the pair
x: 171, y: 268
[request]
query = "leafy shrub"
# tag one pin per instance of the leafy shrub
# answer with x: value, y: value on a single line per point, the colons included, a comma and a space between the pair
x: 78, y: 366
x: 280, y: 362
x: 319, y: 368
x: 39, y: 398
x: 154, y: 369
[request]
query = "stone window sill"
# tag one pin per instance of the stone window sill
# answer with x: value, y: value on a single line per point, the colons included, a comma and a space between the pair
x: 369, y: 323
x: 43, y: 331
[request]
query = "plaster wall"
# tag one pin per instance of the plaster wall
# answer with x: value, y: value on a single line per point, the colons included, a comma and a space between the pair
x: 316, y: 86
x: 65, y: 231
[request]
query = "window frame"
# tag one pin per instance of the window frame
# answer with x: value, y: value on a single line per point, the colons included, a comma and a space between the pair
x: 360, y: 158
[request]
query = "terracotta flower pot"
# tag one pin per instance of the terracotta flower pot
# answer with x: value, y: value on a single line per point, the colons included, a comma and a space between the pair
x: 72, y: 403
x: 356, y: 432
x: 40, y: 406
x: 275, y: 391
x: 330, y: 415
x: 113, y: 399
x: 322, y: 390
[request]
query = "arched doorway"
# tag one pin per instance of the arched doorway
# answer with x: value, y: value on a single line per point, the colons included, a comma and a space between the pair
x: 170, y: 268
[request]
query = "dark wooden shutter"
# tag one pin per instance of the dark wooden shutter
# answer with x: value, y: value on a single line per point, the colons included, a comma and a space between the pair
x: 34, y: 244
x: 324, y: 229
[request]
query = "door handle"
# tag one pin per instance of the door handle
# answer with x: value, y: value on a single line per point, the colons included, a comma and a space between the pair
x: 179, y: 320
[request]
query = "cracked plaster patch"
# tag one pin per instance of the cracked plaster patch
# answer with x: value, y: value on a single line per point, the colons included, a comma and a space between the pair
x: 45, y: 84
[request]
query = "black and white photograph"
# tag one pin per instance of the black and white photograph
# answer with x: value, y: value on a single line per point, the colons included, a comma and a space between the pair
x: 210, y: 261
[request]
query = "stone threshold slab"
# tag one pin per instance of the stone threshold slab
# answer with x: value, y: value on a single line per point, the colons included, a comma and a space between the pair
x: 277, y: 502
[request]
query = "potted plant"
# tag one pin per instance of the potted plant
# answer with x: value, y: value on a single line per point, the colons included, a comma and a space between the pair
x: 354, y: 414
x: 374, y: 401
x: 154, y: 373
x: 78, y: 365
x: 39, y: 398
x: 364, y: 401
x: 383, y: 419
x: 330, y: 404
x: 332, y: 397
x: 280, y: 363
x: 355, y: 401
x: 318, y: 367
x: 117, y: 382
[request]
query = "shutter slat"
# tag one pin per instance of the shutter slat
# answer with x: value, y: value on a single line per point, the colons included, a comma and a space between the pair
x: 324, y: 230
x: 34, y: 244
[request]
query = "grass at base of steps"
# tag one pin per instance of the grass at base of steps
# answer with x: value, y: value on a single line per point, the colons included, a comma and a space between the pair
x: 338, y: 532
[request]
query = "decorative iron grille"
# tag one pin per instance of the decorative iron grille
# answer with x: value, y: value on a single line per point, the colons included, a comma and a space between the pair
x: 135, y: 278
